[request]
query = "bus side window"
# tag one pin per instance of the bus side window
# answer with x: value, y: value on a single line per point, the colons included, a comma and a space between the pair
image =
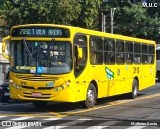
x: 109, y: 51
x: 129, y: 52
x: 96, y: 50
x: 137, y: 53
x: 120, y: 52
x: 93, y: 58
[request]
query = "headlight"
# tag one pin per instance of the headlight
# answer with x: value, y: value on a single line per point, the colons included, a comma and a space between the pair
x: 18, y: 87
x: 10, y: 80
x: 56, y: 88
x: 67, y: 84
x: 62, y: 87
x: 14, y: 84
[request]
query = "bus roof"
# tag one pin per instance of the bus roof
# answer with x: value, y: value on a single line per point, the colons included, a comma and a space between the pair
x: 91, y: 32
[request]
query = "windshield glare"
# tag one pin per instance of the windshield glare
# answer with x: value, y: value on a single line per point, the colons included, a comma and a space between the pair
x: 41, y: 57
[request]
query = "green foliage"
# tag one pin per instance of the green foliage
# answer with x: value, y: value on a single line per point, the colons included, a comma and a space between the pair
x: 41, y: 11
x: 89, y: 17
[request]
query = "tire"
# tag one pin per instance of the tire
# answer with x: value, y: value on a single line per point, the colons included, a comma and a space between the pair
x: 91, y: 96
x: 4, y: 99
x: 40, y: 104
x: 134, y: 92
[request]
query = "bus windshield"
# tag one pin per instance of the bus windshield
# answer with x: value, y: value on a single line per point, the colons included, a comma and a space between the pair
x: 53, y: 57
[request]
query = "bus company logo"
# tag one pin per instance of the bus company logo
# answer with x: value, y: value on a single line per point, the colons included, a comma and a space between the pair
x: 110, y: 74
x: 146, y: 4
x: 50, y: 84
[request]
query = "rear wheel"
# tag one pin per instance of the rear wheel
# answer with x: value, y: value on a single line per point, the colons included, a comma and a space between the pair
x: 134, y: 92
x: 40, y: 104
x: 91, y: 96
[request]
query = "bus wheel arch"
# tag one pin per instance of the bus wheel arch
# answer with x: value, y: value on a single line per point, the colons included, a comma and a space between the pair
x: 91, y: 94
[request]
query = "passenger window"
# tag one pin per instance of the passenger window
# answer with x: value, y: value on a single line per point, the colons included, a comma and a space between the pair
x: 137, y: 53
x: 151, y: 54
x: 109, y: 51
x: 120, y: 53
x: 144, y: 54
x: 129, y: 52
x: 96, y: 50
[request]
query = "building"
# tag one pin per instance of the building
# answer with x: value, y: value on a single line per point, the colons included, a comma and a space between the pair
x: 4, y: 64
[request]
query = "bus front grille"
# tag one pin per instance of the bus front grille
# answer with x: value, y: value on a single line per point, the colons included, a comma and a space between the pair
x: 36, y: 78
x: 37, y: 97
x: 39, y: 88
x: 43, y: 96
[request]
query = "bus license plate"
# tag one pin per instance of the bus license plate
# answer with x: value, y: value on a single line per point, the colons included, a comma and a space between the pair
x: 36, y: 94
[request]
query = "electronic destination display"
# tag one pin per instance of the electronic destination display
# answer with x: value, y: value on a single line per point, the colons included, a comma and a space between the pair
x: 54, y: 32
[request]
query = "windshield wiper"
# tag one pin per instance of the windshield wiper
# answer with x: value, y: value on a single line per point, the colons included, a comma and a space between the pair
x: 26, y: 47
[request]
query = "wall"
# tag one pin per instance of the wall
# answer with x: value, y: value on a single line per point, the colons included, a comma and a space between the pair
x: 4, y: 65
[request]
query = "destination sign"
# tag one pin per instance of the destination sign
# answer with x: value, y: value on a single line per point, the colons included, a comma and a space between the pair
x: 40, y: 32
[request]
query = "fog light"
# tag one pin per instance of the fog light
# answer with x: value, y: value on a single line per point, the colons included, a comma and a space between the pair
x: 10, y: 80
x: 56, y: 88
x: 18, y: 87
x: 14, y: 84
x: 67, y: 83
x: 62, y: 87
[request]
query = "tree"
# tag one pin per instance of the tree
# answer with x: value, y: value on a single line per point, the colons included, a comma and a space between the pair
x: 133, y: 20
x: 89, y: 16
x: 41, y: 11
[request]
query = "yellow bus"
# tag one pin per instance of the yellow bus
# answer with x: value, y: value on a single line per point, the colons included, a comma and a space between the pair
x: 60, y: 63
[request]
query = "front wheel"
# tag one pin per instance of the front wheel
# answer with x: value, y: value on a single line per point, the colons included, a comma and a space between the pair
x: 91, y: 96
x: 4, y: 99
x: 40, y: 104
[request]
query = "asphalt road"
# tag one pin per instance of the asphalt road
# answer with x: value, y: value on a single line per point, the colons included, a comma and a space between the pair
x: 117, y: 112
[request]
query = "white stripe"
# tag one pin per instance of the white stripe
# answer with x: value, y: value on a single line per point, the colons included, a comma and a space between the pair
x: 3, y: 116
x: 21, y: 118
x: 16, y: 127
x: 55, y: 127
x: 67, y: 124
x: 136, y: 127
x: 52, y: 119
x: 97, y: 127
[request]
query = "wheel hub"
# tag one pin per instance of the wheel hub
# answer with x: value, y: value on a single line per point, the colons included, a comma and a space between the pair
x: 90, y: 96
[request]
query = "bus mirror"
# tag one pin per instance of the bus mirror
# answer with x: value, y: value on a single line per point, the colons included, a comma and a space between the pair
x: 4, y: 43
x: 79, y: 52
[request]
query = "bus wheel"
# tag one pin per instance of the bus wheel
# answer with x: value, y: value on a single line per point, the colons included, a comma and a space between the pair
x: 40, y: 104
x: 134, y: 92
x: 91, y: 96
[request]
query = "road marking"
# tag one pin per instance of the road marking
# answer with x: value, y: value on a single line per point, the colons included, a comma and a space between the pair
x: 84, y: 119
x: 16, y: 127
x: 52, y: 118
x: 63, y: 114
x: 2, y: 116
x: 97, y: 127
x: 136, y: 127
x: 21, y: 118
x: 55, y: 127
